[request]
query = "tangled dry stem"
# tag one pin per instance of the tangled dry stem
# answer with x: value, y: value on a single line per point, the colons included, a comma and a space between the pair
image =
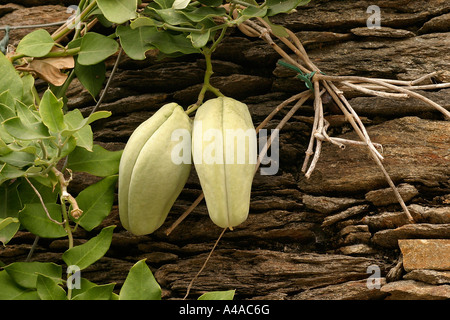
x: 386, y: 88
x: 335, y: 85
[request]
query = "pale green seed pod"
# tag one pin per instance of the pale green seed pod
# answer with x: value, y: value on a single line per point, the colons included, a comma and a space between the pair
x: 224, y: 153
x: 149, y: 180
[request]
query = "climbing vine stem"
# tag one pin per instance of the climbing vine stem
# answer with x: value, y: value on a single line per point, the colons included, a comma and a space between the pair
x: 207, y: 52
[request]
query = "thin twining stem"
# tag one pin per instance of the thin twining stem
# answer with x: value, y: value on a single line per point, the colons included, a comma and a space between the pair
x: 185, y: 214
x: 204, y: 263
x: 390, y: 86
x: 341, y: 142
x: 357, y: 120
x: 265, y: 35
x: 323, y: 136
x: 33, y: 247
x: 302, y: 95
x: 298, y: 48
x: 411, y: 82
x: 305, y: 96
x: 375, y: 92
x: 42, y: 203
x: 373, y: 154
x: 108, y: 83
x: 415, y: 87
x: 318, y: 112
x: 299, y: 45
x: 309, y: 151
x: 65, y: 29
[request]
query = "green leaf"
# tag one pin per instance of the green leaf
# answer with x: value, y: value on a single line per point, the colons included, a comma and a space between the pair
x: 91, y: 77
x: 7, y: 233
x: 142, y: 22
x: 96, y: 202
x: 251, y: 12
x: 85, y: 138
x: 9, y: 200
x: 282, y: 6
x: 9, y: 208
x: 9, y: 172
x: 211, y: 3
x: 169, y: 43
x: 25, y: 274
x: 4, y: 148
x: 18, y: 159
x: 134, y: 41
x: 118, y: 11
x: 16, y: 147
x: 97, y: 116
x: 199, y: 40
x: 36, y: 44
x: 51, y: 112
x: 10, y: 290
x: 74, y: 120
x: 27, y: 114
x: 100, y: 162
x: 172, y: 16
x: 278, y: 30
x: 180, y: 4
x: 28, y: 195
x: 80, y: 130
x: 164, y: 4
x: 202, y: 13
x: 10, y: 78
x: 28, y: 85
x: 6, y: 112
x: 140, y: 284
x: 34, y: 219
x: 5, y: 136
x: 97, y: 292
x: 7, y: 221
x: 16, y: 128
x: 50, y: 181
x: 69, y: 146
x: 47, y: 289
x: 218, y: 295
x: 85, y: 285
x: 95, y: 48
x: 86, y: 254
x: 81, y: 285
x: 6, y: 98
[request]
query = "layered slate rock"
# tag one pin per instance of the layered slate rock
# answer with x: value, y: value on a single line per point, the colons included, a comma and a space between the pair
x: 425, y: 254
x: 407, y: 159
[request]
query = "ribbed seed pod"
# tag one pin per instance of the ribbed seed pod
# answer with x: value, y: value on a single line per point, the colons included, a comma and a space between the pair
x: 149, y: 180
x: 224, y: 152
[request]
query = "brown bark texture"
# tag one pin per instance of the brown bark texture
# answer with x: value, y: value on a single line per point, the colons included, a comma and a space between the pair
x: 316, y: 238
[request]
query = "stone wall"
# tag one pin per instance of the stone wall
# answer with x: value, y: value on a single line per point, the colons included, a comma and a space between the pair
x: 320, y: 238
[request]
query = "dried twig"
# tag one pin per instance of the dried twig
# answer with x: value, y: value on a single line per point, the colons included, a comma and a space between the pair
x: 43, y: 204
x: 204, y: 264
x: 304, y: 96
x: 409, y: 92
